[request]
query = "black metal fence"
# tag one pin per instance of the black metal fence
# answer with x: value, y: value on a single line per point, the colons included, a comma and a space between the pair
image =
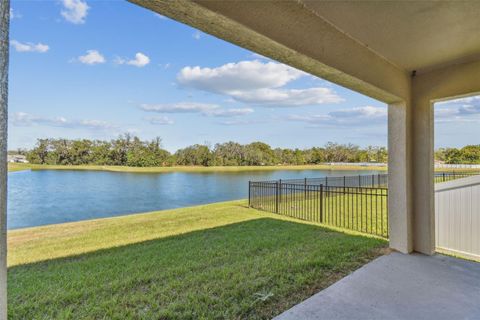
x: 358, y: 203
x: 447, y: 176
x: 374, y: 180
x: 362, y: 209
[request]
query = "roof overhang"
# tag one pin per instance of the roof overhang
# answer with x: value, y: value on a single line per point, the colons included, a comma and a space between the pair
x: 371, y: 47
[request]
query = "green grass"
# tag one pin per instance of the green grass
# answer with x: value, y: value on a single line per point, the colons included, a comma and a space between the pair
x: 12, y: 167
x: 20, y: 166
x: 219, y: 261
x: 361, y: 210
x: 27, y: 166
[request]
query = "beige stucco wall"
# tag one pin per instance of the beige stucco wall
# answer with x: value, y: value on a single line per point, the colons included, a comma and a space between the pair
x: 454, y: 81
x: 399, y: 177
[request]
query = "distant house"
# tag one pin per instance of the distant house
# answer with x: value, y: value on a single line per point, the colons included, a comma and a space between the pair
x: 17, y: 158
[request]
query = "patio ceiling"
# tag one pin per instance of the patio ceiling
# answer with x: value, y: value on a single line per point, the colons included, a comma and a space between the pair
x: 415, y: 35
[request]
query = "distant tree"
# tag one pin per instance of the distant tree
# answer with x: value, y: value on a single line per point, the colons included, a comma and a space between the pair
x: 259, y: 154
x: 471, y: 154
x: 38, y: 155
x: 129, y: 150
x: 228, y: 154
x: 196, y: 155
x: 453, y: 156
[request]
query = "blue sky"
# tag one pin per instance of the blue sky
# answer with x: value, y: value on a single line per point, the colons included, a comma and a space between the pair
x: 96, y: 69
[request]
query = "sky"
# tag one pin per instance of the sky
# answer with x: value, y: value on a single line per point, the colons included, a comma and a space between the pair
x: 97, y: 69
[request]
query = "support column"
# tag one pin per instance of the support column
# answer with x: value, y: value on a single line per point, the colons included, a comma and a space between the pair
x: 399, y: 177
x: 454, y: 81
x: 423, y: 184
x: 4, y: 44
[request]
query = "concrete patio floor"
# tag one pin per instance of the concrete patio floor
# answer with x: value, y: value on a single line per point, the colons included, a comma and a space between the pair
x: 398, y: 286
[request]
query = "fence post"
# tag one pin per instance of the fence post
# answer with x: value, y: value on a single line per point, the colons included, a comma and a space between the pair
x: 326, y: 180
x: 359, y: 180
x: 444, y: 177
x: 321, y: 203
x: 305, y: 189
x: 249, y: 193
x: 277, y: 189
x: 373, y: 181
x: 280, y: 191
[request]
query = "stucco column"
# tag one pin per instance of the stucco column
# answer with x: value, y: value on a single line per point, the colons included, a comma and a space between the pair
x: 399, y: 177
x: 4, y: 28
x: 454, y: 81
x: 423, y: 185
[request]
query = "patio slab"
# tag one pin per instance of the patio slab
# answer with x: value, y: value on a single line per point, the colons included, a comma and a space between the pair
x: 398, y: 286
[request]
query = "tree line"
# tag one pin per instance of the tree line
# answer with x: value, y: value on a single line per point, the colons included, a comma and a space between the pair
x: 467, y: 155
x: 128, y: 150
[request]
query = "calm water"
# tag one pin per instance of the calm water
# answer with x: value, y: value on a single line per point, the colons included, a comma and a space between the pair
x: 45, y: 197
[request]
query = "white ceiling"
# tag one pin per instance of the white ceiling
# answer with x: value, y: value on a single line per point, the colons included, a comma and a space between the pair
x: 414, y: 35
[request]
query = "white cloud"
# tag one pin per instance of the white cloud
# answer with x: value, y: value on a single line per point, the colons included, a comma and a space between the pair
x: 92, y: 124
x: 256, y: 82
x: 361, y: 116
x: 459, y: 110
x: 367, y: 112
x: 181, y: 107
x: 141, y: 60
x: 196, y: 107
x: 240, y: 76
x: 29, y: 47
x: 197, y: 35
x: 14, y: 14
x: 240, y: 122
x: 226, y: 113
x: 288, y: 97
x: 92, y: 57
x: 26, y: 119
x: 75, y: 11
x: 159, y: 120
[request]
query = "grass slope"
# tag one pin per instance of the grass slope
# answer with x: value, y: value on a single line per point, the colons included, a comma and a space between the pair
x: 19, y: 166
x: 219, y: 261
x: 12, y: 167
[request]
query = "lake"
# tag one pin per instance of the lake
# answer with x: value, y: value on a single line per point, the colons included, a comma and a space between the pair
x: 46, y: 197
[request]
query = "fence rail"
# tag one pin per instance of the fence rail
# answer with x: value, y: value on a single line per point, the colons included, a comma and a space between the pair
x: 374, y: 180
x: 448, y: 176
x: 356, y: 208
x: 357, y: 203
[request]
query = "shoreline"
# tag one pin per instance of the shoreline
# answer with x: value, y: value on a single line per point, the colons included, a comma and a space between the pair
x: 194, y: 169
x: 15, y: 167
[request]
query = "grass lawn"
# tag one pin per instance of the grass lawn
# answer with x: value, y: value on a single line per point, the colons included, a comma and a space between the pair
x: 219, y: 261
x: 21, y: 166
x: 363, y: 211
x: 12, y: 167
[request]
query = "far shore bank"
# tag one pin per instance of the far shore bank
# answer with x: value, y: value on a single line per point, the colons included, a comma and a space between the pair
x: 12, y: 167
x: 194, y: 169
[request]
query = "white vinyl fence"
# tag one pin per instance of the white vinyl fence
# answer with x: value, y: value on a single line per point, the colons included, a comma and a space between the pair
x: 457, y: 217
